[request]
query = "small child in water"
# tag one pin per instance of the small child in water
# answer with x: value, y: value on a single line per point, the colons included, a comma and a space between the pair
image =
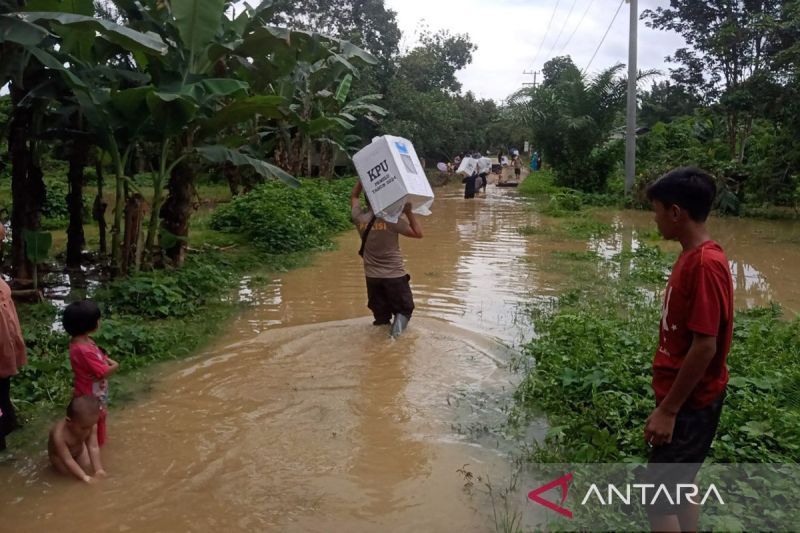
x: 90, y: 365
x: 72, y: 446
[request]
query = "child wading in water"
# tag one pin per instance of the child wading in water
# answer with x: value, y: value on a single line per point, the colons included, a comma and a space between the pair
x: 72, y: 446
x: 689, y: 368
x: 90, y: 365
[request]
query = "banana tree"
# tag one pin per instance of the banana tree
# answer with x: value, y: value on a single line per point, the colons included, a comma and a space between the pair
x: 195, y: 94
x: 36, y: 44
x: 99, y: 73
x: 335, y: 119
x: 314, y: 72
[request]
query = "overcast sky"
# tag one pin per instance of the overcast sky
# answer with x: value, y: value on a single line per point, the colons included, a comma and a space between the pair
x: 509, y: 33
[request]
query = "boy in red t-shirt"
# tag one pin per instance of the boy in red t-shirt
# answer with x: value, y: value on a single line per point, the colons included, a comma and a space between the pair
x: 90, y: 364
x: 689, y: 368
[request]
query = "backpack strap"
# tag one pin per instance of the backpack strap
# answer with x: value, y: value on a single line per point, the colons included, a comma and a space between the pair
x: 365, y: 235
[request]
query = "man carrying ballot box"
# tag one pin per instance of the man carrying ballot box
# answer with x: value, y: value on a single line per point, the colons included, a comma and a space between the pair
x: 388, y: 289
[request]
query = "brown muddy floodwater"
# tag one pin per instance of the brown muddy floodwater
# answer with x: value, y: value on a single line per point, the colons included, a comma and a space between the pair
x: 304, y: 417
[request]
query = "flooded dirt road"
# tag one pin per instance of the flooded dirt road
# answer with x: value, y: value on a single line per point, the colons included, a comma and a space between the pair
x: 304, y: 417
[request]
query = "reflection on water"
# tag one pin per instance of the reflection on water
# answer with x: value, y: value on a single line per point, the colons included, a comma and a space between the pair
x: 763, y: 254
x: 304, y: 417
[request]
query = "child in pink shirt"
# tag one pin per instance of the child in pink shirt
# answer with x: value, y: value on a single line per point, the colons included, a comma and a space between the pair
x: 90, y: 364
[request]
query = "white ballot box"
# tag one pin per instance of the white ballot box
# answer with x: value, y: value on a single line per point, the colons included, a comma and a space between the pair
x: 392, y: 176
x: 468, y: 166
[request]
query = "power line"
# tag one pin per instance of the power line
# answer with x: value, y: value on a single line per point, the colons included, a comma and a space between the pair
x: 591, y: 3
x: 604, y: 37
x: 539, y: 51
x: 561, y: 32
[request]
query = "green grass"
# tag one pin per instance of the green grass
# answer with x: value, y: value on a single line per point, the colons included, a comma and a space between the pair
x: 588, y: 255
x: 533, y: 230
x: 591, y: 375
x: 539, y: 183
x: 585, y: 227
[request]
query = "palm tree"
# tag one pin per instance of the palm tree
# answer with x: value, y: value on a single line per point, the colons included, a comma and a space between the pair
x: 573, y: 118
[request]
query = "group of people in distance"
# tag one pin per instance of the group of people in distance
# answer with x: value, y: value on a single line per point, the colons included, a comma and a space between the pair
x: 475, y: 169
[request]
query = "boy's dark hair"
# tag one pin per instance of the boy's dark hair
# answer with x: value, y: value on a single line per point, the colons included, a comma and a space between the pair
x: 83, y: 406
x: 81, y: 317
x: 689, y: 188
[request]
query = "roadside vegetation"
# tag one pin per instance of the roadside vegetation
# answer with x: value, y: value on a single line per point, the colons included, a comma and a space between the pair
x: 728, y: 106
x: 588, y: 369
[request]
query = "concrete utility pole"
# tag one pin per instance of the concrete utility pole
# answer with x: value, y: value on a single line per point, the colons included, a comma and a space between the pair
x: 630, y: 137
x: 528, y: 73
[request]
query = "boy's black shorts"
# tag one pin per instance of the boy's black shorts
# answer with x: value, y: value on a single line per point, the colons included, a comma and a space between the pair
x: 679, y: 461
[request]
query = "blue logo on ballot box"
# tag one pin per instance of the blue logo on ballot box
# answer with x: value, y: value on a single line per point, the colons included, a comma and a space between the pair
x: 401, y: 147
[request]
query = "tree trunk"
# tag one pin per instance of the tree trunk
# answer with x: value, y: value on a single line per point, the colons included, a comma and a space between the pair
x: 296, y: 155
x: 121, y: 161
x: 27, y: 185
x: 733, y: 124
x: 748, y: 129
x: 116, y: 228
x: 152, y: 226
x: 310, y: 148
x: 327, y: 160
x: 134, y: 215
x: 100, y: 205
x: 177, y: 209
x: 79, y: 154
x: 233, y: 176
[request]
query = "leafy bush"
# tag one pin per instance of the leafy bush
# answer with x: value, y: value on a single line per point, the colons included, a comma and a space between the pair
x: 134, y: 341
x: 47, y: 378
x: 146, y: 318
x: 279, y: 219
x: 55, y: 212
x: 564, y: 202
x: 55, y: 204
x: 765, y: 175
x: 162, y: 294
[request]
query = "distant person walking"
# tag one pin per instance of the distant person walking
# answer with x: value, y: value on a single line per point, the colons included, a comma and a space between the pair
x: 469, y: 168
x: 484, y: 166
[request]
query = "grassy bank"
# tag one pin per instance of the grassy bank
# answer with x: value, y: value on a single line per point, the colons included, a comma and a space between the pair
x: 588, y: 373
x: 163, y: 315
x: 588, y: 370
x: 557, y: 200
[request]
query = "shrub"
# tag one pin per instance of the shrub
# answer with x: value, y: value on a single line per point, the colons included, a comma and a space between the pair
x: 55, y: 212
x: 164, y: 294
x: 279, y: 219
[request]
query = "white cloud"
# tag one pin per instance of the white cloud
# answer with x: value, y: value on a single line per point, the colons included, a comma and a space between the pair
x: 508, y: 34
